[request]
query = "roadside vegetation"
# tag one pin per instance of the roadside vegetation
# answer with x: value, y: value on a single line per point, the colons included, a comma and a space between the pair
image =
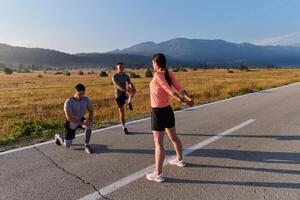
x: 31, y: 103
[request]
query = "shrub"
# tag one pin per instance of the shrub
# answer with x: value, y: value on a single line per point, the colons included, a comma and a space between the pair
x: 7, y: 70
x: 80, y: 72
x: 67, y: 73
x: 40, y: 76
x: 58, y: 73
x: 183, y: 69
x: 176, y: 69
x: 31, y: 129
x: 103, y: 74
x: 134, y: 75
x: 230, y: 71
x: 243, y: 67
x: 149, y: 73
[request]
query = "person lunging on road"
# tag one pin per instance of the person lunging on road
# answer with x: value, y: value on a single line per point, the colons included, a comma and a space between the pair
x: 74, y: 109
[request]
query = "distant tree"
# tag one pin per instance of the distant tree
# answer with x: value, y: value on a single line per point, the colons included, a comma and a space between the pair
x: 176, y: 69
x: 229, y: 70
x: 183, y: 69
x: 67, y: 73
x: 270, y: 66
x: 103, y: 74
x: 80, y: 72
x: 243, y: 67
x: 134, y: 75
x: 7, y: 70
x: 149, y: 73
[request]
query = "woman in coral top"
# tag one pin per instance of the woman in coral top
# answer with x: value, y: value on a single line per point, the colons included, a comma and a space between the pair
x: 162, y: 86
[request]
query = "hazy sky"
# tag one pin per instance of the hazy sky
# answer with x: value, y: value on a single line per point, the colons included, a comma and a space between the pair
x: 103, y: 25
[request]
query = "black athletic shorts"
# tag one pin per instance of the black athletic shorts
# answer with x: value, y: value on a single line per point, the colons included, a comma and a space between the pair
x: 121, y: 99
x: 70, y: 133
x: 162, y: 118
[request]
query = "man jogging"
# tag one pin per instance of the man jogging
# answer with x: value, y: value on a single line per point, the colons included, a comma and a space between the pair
x: 74, y: 109
x: 124, y: 89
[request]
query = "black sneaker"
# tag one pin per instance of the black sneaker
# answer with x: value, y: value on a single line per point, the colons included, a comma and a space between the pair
x: 130, y: 106
x: 57, y: 142
x: 88, y: 149
x: 125, y: 131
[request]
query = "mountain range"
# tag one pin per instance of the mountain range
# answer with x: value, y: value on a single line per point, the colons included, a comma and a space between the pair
x: 179, y: 51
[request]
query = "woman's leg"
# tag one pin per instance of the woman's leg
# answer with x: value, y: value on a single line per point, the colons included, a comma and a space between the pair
x: 176, y: 142
x: 159, y: 150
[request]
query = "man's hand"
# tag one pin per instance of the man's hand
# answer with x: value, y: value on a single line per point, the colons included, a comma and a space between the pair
x: 131, y: 91
x: 87, y: 122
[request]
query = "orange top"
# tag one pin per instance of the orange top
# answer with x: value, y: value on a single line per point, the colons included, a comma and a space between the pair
x: 160, y: 89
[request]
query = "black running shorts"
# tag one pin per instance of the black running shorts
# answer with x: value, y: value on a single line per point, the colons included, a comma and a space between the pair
x: 121, y: 100
x: 162, y: 118
x: 70, y: 133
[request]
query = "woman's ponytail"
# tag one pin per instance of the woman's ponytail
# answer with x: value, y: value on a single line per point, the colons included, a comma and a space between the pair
x: 161, y: 61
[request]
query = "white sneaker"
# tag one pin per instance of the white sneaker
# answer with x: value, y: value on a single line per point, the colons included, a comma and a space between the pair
x: 179, y: 163
x: 57, y: 141
x: 157, y: 178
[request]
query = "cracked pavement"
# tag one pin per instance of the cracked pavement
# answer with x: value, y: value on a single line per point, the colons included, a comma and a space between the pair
x: 259, y: 161
x: 71, y: 174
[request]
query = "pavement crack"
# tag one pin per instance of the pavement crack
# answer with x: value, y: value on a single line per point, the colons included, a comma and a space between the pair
x: 70, y: 173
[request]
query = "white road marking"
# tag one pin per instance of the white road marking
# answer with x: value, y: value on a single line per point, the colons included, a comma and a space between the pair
x: 125, y: 181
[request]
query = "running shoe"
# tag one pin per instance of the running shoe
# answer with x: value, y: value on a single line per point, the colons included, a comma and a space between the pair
x: 125, y: 131
x: 157, y: 178
x: 179, y: 163
x: 88, y: 149
x: 57, y: 142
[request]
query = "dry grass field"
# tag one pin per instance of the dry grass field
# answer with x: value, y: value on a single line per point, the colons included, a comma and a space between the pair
x: 31, y: 103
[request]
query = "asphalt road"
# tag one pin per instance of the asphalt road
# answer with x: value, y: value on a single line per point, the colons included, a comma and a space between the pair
x: 243, y: 148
